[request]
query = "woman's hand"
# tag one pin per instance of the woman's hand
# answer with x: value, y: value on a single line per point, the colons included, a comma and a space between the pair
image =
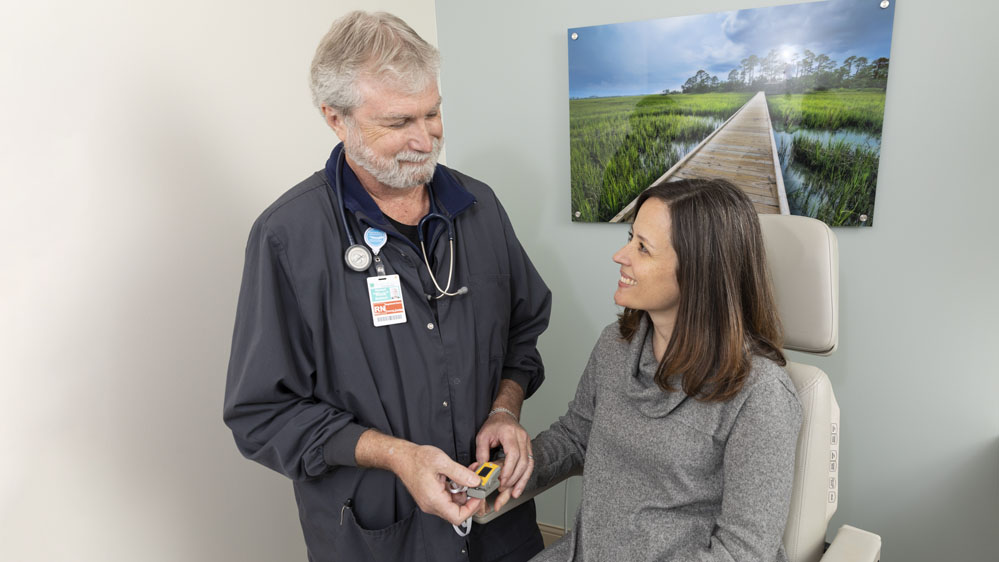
x: 502, y: 429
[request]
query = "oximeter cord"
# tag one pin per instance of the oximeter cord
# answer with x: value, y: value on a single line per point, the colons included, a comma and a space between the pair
x: 467, y: 525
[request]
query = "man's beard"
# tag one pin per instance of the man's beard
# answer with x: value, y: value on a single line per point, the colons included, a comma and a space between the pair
x: 390, y: 171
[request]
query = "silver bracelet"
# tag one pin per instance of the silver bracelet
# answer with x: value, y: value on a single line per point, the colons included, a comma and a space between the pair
x: 505, y: 411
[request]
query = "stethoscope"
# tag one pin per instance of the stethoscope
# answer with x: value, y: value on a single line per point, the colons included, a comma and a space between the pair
x: 358, y: 256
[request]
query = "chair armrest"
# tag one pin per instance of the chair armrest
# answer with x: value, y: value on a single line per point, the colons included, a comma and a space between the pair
x: 853, y: 545
x: 514, y: 502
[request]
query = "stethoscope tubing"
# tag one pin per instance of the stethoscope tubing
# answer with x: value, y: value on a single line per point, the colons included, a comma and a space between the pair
x: 339, y: 197
x: 433, y: 215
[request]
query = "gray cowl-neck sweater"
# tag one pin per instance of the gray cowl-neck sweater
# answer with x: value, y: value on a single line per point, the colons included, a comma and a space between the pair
x: 667, y: 477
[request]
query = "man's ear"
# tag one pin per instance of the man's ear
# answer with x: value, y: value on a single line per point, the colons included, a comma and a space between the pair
x: 335, y: 120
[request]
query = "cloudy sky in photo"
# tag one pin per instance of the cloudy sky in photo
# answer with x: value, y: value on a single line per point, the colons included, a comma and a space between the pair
x: 649, y: 56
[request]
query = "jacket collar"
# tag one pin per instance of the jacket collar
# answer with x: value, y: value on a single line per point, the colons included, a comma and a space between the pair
x: 447, y: 196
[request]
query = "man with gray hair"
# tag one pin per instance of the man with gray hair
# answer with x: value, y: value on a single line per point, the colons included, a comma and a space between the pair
x: 387, y: 325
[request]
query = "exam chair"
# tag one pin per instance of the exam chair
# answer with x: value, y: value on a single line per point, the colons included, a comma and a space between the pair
x: 804, y: 264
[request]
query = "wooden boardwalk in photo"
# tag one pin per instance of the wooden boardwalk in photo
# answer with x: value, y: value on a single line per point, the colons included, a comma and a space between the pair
x: 741, y: 151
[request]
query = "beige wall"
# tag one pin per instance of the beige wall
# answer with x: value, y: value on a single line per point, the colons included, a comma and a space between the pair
x: 138, y: 141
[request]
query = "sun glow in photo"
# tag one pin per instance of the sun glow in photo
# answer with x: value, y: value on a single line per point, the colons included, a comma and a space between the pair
x: 787, y: 54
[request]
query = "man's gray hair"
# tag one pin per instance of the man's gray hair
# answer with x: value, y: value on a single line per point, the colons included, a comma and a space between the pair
x: 378, y: 45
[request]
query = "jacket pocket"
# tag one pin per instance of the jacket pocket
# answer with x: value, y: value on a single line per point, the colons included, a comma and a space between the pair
x: 400, y: 540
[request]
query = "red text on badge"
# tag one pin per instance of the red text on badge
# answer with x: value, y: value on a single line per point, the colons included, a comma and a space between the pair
x: 389, y: 307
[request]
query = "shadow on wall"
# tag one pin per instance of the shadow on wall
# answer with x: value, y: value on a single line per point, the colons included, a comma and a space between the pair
x: 175, y: 315
x: 138, y: 464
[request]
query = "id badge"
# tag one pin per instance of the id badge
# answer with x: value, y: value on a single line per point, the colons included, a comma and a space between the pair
x: 385, y: 294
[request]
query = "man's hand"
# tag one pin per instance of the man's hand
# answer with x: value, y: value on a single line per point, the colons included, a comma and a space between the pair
x: 424, y: 471
x: 425, y: 476
x: 502, y: 429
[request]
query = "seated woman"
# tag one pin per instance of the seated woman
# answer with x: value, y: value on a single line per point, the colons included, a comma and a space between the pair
x: 684, y: 421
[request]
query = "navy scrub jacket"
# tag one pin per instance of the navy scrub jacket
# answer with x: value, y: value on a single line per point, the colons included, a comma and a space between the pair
x: 309, y: 372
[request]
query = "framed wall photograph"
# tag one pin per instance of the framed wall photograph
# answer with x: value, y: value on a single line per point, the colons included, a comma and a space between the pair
x: 787, y: 102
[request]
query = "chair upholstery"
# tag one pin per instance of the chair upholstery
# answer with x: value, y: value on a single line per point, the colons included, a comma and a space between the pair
x: 816, y: 479
x: 803, y: 258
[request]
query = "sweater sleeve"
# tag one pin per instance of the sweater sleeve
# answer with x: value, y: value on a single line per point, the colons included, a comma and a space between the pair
x: 562, y: 447
x: 269, y: 403
x: 758, y: 472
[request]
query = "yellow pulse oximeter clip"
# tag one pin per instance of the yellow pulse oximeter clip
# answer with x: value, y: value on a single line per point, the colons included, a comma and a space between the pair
x: 488, y: 473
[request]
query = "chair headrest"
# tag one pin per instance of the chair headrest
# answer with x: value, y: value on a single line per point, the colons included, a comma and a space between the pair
x: 804, y: 264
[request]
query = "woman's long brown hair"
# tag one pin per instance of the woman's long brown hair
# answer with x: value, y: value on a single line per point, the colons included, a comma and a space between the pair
x: 727, y: 311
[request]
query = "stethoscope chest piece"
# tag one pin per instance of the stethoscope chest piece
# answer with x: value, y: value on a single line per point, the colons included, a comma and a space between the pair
x: 358, y: 257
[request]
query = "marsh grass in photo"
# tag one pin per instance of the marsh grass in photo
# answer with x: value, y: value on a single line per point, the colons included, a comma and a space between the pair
x: 861, y: 110
x: 620, y: 145
x: 838, y: 180
x: 830, y: 163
